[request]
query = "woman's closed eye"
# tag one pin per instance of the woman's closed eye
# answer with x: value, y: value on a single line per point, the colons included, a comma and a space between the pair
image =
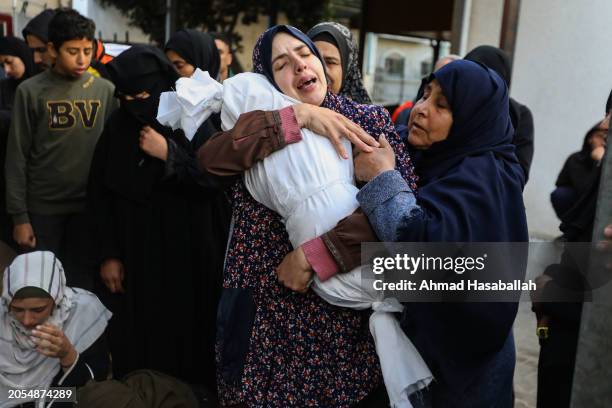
x: 441, y: 102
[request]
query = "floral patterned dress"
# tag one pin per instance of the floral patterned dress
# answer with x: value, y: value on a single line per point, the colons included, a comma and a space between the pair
x: 303, y: 352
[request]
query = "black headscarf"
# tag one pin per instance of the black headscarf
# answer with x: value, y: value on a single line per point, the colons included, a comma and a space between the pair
x: 197, y: 48
x: 494, y: 58
x: 142, y: 68
x: 342, y: 38
x: 578, y: 222
x: 18, y: 48
x: 39, y: 25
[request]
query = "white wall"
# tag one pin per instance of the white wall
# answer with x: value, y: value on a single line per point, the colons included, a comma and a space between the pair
x: 563, y: 72
x: 485, y: 23
x: 110, y: 20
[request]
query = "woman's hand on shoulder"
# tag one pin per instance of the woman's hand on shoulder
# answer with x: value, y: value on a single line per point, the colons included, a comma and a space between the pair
x: 334, y: 126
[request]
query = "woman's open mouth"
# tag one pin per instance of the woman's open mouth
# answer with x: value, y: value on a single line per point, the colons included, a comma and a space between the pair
x: 307, y: 84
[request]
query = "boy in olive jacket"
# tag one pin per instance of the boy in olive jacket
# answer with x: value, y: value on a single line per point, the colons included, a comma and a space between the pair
x: 57, y: 118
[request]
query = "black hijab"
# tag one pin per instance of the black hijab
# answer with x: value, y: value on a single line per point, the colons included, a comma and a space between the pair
x: 475, y: 165
x: 578, y: 222
x: 18, y: 48
x: 197, y: 48
x: 39, y: 25
x: 494, y: 58
x: 342, y: 38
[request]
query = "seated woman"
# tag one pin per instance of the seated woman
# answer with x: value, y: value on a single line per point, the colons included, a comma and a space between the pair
x: 340, y: 54
x: 51, y: 335
x: 292, y: 335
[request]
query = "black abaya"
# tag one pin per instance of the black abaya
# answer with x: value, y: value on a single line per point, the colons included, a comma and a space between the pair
x: 169, y: 233
x: 172, y: 244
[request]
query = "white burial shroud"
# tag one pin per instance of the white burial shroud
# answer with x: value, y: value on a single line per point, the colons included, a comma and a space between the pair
x: 312, y: 188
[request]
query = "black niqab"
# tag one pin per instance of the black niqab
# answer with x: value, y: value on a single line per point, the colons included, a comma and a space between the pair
x: 131, y: 172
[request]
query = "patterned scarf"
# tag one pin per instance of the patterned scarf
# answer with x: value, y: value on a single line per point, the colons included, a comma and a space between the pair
x: 352, y: 83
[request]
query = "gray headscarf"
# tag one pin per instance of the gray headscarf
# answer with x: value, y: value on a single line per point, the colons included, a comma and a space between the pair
x: 352, y: 83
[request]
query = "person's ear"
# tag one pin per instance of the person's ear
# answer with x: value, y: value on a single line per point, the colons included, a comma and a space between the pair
x: 54, y: 53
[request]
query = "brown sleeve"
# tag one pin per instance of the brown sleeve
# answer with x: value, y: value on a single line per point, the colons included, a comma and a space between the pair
x: 344, y: 241
x: 255, y: 136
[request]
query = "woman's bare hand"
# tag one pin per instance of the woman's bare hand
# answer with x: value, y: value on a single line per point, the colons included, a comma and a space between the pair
x: 334, y: 126
x: 153, y: 144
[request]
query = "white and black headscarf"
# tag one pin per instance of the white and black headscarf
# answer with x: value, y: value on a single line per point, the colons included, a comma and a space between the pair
x: 77, y: 312
x: 342, y: 38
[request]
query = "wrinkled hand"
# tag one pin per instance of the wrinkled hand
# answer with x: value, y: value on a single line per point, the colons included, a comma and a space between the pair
x: 153, y: 144
x: 333, y: 126
x: 23, y: 234
x: 370, y: 165
x: 295, y: 272
x: 52, y: 342
x: 112, y: 274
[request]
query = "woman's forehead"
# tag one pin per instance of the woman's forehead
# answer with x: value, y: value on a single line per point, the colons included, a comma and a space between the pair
x: 31, y: 302
x: 284, y: 42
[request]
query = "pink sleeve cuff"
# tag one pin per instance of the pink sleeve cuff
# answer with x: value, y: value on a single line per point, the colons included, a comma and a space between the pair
x: 321, y: 260
x: 289, y: 124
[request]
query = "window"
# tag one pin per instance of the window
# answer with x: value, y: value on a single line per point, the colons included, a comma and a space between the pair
x: 394, y: 65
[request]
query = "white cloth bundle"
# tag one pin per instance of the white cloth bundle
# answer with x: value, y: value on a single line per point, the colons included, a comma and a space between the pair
x: 312, y: 189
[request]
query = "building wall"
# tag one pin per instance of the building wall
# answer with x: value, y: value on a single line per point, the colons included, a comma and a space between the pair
x: 394, y: 89
x: 485, y: 23
x: 110, y: 22
x: 562, y: 71
x: 250, y: 33
x: 32, y: 9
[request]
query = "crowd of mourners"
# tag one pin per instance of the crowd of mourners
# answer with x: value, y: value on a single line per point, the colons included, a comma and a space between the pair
x: 161, y: 267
